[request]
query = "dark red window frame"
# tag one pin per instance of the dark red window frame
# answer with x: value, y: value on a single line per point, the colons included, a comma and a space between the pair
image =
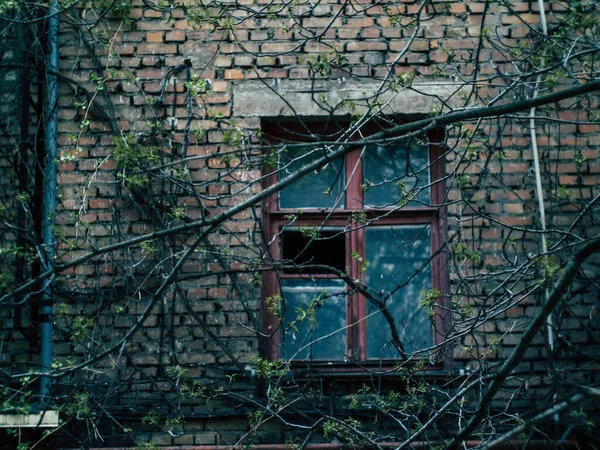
x: 274, y: 219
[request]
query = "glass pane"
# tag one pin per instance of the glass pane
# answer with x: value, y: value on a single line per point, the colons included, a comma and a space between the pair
x: 318, y: 189
x: 394, y: 254
x: 328, y: 299
x: 394, y: 175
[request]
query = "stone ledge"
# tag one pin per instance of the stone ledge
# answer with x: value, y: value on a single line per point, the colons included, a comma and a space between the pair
x: 46, y: 419
x: 274, y: 98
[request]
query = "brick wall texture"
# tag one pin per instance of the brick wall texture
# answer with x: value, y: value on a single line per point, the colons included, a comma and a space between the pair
x: 151, y: 138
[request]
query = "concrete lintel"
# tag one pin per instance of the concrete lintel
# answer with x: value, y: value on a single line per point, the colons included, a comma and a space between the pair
x: 275, y: 98
x: 46, y: 419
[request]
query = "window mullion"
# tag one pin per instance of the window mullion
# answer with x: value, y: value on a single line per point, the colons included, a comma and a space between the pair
x: 356, y: 246
x: 356, y: 301
x: 354, y: 178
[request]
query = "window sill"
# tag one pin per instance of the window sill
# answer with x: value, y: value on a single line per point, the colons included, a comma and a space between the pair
x: 340, y: 379
x: 344, y: 371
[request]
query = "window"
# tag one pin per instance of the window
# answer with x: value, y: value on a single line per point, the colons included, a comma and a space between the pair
x: 355, y: 248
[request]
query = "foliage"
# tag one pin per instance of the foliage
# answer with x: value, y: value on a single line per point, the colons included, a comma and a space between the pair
x: 169, y: 232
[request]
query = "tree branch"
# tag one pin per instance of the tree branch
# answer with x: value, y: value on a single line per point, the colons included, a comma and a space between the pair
x: 399, y: 132
x: 560, y: 287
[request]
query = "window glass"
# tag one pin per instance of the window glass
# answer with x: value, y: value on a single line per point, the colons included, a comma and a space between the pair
x: 394, y: 254
x: 396, y: 174
x: 318, y: 189
x: 328, y: 300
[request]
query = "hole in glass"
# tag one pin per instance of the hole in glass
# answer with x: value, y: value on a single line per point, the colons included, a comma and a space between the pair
x: 326, y: 248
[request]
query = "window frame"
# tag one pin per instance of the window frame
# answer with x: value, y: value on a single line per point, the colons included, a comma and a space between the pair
x: 356, y: 306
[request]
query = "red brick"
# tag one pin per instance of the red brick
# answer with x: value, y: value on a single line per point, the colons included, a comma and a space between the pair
x: 279, y: 47
x: 156, y: 49
x: 175, y: 36
x: 363, y: 22
x: 234, y: 74
x: 154, y: 37
x: 366, y: 45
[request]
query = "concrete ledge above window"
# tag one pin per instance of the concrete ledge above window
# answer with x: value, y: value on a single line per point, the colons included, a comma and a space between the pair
x: 273, y: 98
x: 47, y: 419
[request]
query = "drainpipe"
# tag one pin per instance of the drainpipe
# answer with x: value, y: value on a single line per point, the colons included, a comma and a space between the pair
x: 538, y: 177
x: 49, y: 202
x: 540, y: 195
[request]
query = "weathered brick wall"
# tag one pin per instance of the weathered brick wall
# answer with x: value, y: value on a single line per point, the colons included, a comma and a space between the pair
x: 135, y: 115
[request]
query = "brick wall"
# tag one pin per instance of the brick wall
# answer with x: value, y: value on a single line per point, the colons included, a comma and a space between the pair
x: 159, y: 86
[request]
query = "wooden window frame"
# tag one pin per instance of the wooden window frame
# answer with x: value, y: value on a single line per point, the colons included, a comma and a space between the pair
x: 435, y: 216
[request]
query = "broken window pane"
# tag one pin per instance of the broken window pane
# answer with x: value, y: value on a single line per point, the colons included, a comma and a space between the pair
x: 328, y: 249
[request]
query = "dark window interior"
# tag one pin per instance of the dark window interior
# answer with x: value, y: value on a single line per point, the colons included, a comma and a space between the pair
x: 328, y: 249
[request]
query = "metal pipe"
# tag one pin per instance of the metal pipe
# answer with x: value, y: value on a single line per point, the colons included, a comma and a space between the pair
x: 49, y: 204
x: 540, y: 193
x: 538, y: 177
x: 541, y: 208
